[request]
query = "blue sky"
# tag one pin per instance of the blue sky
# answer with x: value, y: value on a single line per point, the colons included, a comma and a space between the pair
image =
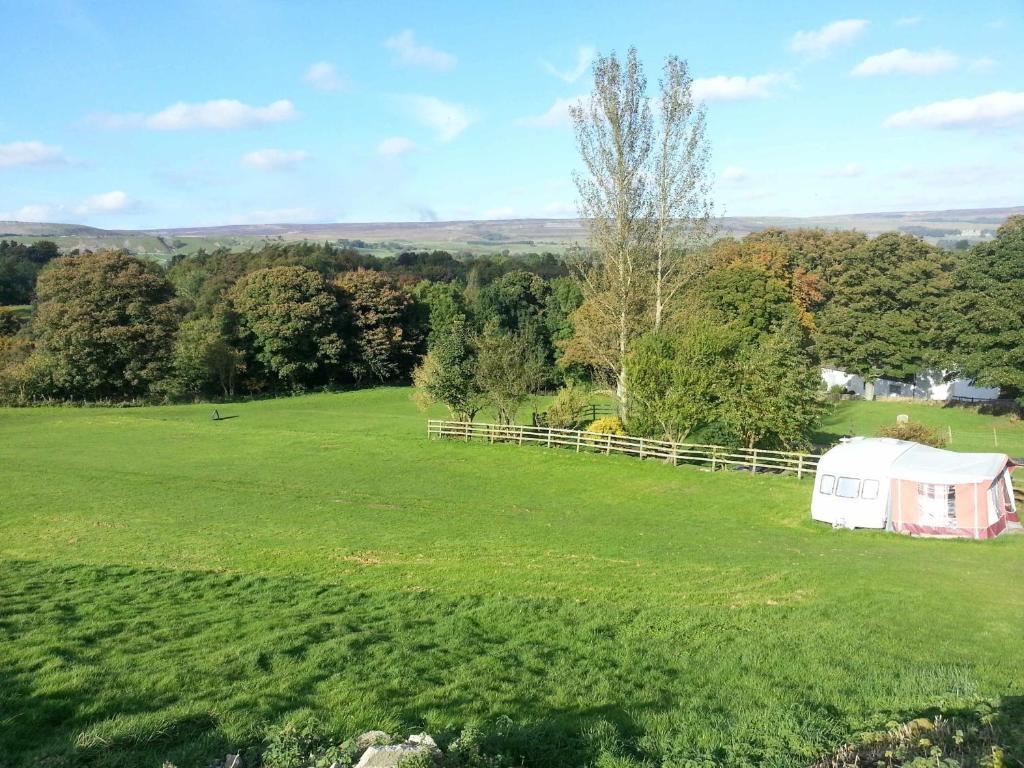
x: 153, y: 114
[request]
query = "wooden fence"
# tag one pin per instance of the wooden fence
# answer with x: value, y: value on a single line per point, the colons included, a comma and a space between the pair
x: 711, y: 456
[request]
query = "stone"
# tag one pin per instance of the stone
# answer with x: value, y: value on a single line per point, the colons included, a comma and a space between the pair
x: 233, y: 761
x: 372, y: 738
x: 387, y: 756
x: 424, y: 740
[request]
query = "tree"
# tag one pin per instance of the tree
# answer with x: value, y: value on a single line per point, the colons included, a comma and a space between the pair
x: 681, y: 189
x: 446, y: 374
x: 680, y: 378
x: 203, y: 361
x: 614, y: 135
x: 885, y: 315
x: 20, y: 265
x: 289, y: 320
x: 381, y: 315
x: 507, y: 371
x: 986, y: 314
x: 774, y: 399
x: 750, y: 297
x: 104, y: 325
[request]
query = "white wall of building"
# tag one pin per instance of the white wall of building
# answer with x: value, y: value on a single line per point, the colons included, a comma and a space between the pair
x: 926, y: 386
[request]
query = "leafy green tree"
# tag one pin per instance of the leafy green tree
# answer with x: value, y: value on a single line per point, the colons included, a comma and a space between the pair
x: 773, y: 398
x: 288, y: 319
x: 203, y: 361
x: 986, y: 312
x: 680, y: 379
x: 750, y: 297
x: 104, y: 325
x: 885, y: 317
x: 381, y: 316
x: 446, y: 374
x: 20, y: 265
x: 507, y: 371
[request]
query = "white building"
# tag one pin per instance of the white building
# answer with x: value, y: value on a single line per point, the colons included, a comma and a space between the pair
x: 930, y: 385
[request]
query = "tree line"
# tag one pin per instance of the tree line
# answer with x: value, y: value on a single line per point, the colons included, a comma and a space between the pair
x: 697, y: 336
x: 735, y: 360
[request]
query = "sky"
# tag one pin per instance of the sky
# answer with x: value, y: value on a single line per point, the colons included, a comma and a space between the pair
x: 145, y: 115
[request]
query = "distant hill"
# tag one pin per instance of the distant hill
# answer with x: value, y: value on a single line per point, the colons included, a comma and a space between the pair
x: 512, y: 235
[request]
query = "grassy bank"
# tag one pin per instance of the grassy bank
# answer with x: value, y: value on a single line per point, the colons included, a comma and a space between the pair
x: 172, y: 586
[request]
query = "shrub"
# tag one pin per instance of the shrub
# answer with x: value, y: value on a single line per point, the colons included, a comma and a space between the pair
x: 607, y: 425
x: 918, y: 433
x: 564, y: 411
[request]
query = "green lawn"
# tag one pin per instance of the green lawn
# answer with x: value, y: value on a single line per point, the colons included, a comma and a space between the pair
x: 971, y: 430
x: 170, y: 587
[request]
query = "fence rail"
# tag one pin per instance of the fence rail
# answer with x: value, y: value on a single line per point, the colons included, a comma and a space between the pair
x: 710, y: 456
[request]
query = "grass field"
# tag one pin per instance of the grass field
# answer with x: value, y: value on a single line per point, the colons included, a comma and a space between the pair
x: 970, y: 430
x: 170, y: 587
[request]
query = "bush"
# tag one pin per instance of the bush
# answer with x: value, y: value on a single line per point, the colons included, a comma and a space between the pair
x: 607, y: 425
x: 918, y: 433
x: 564, y: 411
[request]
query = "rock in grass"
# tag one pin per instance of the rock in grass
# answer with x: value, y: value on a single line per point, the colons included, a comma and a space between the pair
x: 372, y: 738
x: 424, y: 741
x: 388, y: 756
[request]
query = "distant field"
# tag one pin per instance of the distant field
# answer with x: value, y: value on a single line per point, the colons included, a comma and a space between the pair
x: 170, y: 586
x: 477, y: 236
x: 970, y: 430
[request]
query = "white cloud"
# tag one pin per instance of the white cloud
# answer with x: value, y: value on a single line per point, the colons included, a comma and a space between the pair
x: 848, y: 171
x: 908, y: 21
x: 30, y: 213
x: 905, y: 61
x: 448, y: 120
x: 324, y: 77
x: 218, y: 113
x: 733, y: 174
x: 30, y: 153
x: 274, y: 159
x: 556, y: 116
x: 107, y: 202
x: 408, y: 51
x: 734, y: 88
x: 1001, y: 109
x: 820, y: 42
x: 395, y: 146
x: 584, y: 57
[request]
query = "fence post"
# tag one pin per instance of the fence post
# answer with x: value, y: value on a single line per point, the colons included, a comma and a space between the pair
x: 641, y: 448
x: 608, y: 447
x: 714, y: 458
x: 520, y: 434
x: 800, y: 466
x: 755, y: 461
x: 549, y: 437
x: 579, y: 439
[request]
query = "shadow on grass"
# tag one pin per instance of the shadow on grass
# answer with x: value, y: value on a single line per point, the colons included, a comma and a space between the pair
x: 118, y: 666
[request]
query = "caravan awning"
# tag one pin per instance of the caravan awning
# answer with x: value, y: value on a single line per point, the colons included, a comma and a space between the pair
x: 923, y: 464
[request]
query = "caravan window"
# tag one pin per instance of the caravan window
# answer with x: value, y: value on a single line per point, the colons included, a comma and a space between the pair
x: 828, y: 482
x: 848, y: 487
x: 869, y: 490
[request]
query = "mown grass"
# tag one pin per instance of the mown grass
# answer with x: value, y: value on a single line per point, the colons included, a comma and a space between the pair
x: 971, y: 430
x: 171, y: 586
